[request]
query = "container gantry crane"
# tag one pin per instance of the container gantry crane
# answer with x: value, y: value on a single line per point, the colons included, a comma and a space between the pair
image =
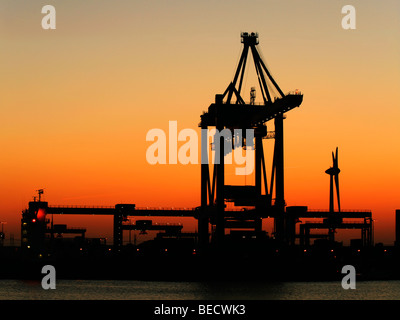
x: 230, y: 111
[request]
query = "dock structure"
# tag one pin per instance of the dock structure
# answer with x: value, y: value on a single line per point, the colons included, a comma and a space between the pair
x: 265, y: 199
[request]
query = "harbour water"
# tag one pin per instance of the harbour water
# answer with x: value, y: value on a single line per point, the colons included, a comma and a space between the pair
x: 153, y: 290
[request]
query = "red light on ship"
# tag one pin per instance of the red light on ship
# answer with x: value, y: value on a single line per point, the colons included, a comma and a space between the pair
x: 41, y: 214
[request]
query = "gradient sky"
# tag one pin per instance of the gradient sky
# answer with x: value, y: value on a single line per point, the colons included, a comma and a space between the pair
x: 76, y: 102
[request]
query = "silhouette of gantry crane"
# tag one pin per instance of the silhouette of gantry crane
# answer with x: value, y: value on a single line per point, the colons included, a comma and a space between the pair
x: 230, y: 111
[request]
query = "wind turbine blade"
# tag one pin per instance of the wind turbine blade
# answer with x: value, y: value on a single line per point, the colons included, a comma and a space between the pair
x: 337, y: 190
x: 336, y: 158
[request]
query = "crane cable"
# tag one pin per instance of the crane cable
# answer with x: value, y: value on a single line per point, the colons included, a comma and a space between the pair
x: 237, y: 62
x: 270, y: 87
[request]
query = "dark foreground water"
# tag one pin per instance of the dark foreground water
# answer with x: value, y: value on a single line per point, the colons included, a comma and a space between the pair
x: 149, y: 290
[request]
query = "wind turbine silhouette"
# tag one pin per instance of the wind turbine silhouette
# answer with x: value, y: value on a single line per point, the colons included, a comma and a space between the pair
x: 334, y: 172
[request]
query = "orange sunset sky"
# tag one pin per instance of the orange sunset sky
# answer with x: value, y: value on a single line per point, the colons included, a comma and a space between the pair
x: 76, y: 102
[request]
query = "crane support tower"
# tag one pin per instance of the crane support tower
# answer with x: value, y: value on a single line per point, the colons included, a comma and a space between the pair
x: 230, y: 111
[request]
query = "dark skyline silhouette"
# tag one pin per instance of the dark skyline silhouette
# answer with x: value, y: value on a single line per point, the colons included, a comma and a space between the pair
x: 224, y: 235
